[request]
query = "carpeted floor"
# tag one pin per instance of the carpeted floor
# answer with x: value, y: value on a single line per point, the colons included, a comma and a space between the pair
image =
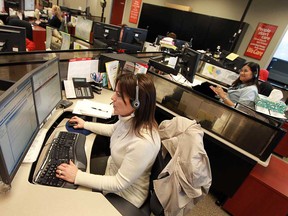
x: 207, y: 207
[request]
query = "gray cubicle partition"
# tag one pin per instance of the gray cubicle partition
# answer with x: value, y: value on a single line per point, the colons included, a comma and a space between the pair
x: 235, y: 140
x: 254, y: 135
x: 14, y: 65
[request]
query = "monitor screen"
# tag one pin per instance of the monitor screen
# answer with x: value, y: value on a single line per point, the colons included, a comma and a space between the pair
x: 188, y: 63
x: 46, y: 84
x: 29, y: 5
x: 83, y: 28
x: 106, y: 33
x: 12, y: 38
x: 18, y: 126
x: 133, y: 39
x: 234, y: 65
x: 278, y: 73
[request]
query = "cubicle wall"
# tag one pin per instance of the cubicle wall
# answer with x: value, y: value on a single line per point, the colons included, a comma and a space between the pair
x: 15, y: 65
x: 255, y: 136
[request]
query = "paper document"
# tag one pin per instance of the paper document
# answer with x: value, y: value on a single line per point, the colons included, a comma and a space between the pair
x: 69, y: 89
x: 82, y: 68
x: 135, y: 67
x: 35, y: 148
x: 94, y: 109
x: 112, y: 71
x: 232, y: 56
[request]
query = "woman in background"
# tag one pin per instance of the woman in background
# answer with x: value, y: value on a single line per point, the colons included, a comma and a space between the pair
x: 56, y: 19
x: 244, y: 89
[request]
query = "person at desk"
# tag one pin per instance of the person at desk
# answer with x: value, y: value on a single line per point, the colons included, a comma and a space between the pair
x: 134, y: 137
x: 244, y: 89
x: 56, y: 19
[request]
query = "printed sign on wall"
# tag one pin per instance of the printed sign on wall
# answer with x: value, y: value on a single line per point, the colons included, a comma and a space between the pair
x: 260, y: 40
x: 134, y: 12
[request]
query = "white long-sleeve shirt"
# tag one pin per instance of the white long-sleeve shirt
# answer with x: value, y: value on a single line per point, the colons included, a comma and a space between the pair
x: 129, y: 166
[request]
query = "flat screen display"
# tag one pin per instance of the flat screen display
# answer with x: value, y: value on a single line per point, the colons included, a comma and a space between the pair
x: 18, y: 126
x: 46, y: 83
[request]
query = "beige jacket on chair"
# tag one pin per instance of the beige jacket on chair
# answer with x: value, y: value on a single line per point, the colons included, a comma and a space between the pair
x: 189, y: 170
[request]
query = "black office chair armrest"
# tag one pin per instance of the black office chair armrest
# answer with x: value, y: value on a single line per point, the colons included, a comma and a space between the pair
x: 124, y: 206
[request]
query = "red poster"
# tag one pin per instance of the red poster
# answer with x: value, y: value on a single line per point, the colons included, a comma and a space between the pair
x: 260, y: 40
x: 134, y: 12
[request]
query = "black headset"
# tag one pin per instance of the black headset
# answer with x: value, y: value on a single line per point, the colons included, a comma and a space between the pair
x: 136, y: 103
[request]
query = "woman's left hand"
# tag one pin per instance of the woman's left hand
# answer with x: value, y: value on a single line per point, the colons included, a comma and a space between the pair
x: 67, y: 172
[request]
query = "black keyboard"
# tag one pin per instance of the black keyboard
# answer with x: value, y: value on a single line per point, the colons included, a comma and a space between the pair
x: 65, y: 146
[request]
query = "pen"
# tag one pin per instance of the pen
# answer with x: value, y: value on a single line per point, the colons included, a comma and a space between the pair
x: 99, y: 109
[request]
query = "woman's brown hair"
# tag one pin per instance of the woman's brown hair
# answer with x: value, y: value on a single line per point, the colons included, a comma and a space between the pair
x: 145, y: 114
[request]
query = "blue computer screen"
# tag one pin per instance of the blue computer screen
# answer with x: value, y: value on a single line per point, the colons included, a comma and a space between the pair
x: 18, y: 126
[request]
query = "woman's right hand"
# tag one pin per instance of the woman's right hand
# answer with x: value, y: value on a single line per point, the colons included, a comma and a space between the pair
x: 79, y: 122
x: 219, y: 91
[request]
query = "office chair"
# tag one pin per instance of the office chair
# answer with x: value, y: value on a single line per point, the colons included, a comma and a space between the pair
x: 182, y: 139
x: 265, y: 88
x: 151, y: 203
x: 22, y: 23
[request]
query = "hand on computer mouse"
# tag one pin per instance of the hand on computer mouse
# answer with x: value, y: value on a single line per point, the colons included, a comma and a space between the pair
x: 71, y: 124
x: 78, y: 122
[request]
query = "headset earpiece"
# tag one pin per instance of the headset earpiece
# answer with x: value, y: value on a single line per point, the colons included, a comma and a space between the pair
x: 136, y: 103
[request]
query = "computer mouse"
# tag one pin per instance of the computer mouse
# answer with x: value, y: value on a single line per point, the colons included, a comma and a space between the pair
x: 71, y: 124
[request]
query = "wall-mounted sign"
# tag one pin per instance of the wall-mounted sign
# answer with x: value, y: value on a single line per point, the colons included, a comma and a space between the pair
x: 260, y: 40
x: 134, y: 12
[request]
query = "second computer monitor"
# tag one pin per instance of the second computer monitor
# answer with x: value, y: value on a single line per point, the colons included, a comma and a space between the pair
x: 133, y: 39
x: 105, y: 35
x: 12, y: 38
x: 188, y: 63
x: 46, y: 84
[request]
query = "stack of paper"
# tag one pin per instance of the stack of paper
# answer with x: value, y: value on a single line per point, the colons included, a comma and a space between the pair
x: 94, y: 109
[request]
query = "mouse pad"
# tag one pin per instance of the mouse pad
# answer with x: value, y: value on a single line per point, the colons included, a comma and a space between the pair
x: 82, y: 131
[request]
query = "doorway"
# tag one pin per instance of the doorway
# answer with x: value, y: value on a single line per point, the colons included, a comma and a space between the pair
x: 117, y: 12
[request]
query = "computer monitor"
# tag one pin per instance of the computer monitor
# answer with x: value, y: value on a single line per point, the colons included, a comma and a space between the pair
x: 188, y: 63
x: 133, y: 39
x: 106, y: 33
x: 278, y: 73
x: 74, y: 12
x: 29, y: 5
x: 234, y: 65
x: 46, y: 84
x: 18, y: 126
x: 12, y: 38
x: 83, y: 28
x: 46, y: 3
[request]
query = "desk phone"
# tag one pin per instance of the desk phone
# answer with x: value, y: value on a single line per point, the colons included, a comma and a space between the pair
x: 78, y: 88
x: 82, y: 88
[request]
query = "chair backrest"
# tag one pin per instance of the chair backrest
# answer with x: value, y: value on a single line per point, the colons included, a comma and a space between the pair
x: 23, y: 23
x: 265, y: 88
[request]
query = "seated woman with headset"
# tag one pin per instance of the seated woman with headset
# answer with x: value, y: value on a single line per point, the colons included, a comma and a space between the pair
x: 244, y: 89
x: 134, y: 143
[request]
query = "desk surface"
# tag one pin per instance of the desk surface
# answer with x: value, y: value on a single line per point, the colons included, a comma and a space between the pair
x: 26, y: 198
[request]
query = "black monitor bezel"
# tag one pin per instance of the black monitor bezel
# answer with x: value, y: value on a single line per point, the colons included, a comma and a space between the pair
x: 129, y: 42
x: 39, y: 70
x: 193, y: 62
x: 4, y: 174
x: 20, y: 34
x: 99, y: 30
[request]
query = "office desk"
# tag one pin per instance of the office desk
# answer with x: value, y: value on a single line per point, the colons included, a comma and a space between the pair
x: 28, y: 199
x: 264, y: 192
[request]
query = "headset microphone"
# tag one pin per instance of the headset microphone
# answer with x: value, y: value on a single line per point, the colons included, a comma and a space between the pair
x: 136, y: 103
